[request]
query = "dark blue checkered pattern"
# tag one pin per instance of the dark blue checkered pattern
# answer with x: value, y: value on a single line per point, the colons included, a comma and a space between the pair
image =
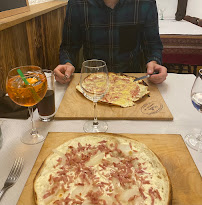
x: 114, y: 35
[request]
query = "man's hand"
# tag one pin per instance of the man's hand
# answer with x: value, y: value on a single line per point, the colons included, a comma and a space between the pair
x: 64, y: 72
x: 157, y: 78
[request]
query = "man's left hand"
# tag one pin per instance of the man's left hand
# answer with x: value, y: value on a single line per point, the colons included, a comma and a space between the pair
x: 157, y: 78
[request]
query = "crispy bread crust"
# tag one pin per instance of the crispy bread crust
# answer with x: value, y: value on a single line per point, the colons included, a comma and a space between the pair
x: 111, y: 137
x: 132, y: 101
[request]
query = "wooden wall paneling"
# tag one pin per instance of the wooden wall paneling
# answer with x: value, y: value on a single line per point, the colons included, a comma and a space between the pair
x: 18, y: 47
x: 13, y: 50
x: 32, y: 42
x: 44, y: 36
x: 54, y: 32
x: 2, y: 63
x: 34, y: 35
x: 52, y: 28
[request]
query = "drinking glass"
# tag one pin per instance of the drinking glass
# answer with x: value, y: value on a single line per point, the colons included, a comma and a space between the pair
x: 46, y: 107
x: 195, y: 140
x: 94, y: 85
x: 26, y: 86
x: 161, y: 13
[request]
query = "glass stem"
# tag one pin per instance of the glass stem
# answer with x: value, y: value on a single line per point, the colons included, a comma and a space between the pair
x: 95, y: 122
x: 33, y: 131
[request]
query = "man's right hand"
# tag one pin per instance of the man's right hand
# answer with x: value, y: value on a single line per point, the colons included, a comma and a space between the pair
x: 64, y: 72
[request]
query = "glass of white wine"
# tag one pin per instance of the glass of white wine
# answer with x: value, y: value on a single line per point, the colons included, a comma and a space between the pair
x: 195, y: 140
x: 94, y: 85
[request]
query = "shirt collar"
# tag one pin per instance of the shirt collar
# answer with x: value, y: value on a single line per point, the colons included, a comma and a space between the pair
x: 101, y: 2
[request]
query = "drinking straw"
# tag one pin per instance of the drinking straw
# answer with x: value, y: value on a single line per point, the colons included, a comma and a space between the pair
x: 35, y: 95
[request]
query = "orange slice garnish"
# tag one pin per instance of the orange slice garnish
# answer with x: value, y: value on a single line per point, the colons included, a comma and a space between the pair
x: 32, y: 80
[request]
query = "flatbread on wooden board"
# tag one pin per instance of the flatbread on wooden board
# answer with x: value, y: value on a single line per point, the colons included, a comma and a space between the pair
x: 123, y: 91
x: 103, y: 169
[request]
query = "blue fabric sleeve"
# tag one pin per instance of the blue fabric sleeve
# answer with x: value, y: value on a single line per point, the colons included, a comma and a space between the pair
x: 152, y: 43
x: 72, y: 37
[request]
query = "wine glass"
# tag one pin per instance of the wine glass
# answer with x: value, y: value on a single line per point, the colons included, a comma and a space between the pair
x: 161, y: 13
x: 94, y: 85
x: 195, y: 140
x: 26, y: 86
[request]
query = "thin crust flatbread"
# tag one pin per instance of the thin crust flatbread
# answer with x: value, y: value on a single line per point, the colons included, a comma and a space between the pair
x: 102, y: 169
x: 123, y: 91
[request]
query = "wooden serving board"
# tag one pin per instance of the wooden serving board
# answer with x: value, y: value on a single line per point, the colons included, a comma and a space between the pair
x: 75, y: 106
x: 171, y: 150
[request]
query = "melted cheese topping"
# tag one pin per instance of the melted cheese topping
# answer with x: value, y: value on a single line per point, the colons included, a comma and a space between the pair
x: 102, y: 170
x: 123, y: 91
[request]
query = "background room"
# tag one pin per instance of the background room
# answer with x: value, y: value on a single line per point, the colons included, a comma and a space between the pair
x: 164, y: 115
x: 38, y: 36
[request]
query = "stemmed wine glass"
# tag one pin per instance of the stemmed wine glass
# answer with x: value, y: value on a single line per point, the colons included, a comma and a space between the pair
x: 26, y: 86
x: 195, y: 140
x: 94, y: 85
x: 161, y: 12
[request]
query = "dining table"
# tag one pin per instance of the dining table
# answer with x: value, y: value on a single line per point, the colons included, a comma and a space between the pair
x: 175, y: 90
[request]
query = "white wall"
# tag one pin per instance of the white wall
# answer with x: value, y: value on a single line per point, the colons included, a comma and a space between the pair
x: 169, y: 7
x: 194, y: 8
x: 31, y: 2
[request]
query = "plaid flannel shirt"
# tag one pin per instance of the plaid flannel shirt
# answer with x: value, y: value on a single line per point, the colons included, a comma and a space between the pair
x: 116, y: 36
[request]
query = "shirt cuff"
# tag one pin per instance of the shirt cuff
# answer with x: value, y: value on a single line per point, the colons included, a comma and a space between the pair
x: 154, y: 59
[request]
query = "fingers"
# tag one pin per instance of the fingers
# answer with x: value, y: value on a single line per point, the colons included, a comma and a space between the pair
x: 69, y: 72
x: 63, y: 73
x: 157, y: 78
x: 59, y: 73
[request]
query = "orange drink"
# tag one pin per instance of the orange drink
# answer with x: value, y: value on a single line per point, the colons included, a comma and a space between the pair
x: 26, y: 86
x: 27, y: 95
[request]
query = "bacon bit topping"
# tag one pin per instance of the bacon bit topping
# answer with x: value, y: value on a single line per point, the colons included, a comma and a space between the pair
x: 50, y: 178
x: 154, y: 194
x: 144, y: 181
x: 117, y: 199
x: 59, y: 162
x: 130, y: 146
x: 132, y: 198
x: 79, y: 184
x: 116, y: 149
x: 51, y: 192
x: 103, y: 141
x: 75, y: 172
x: 80, y: 147
x: 135, y: 91
x: 80, y: 198
x: 57, y: 202
x: 102, y: 166
x: 94, y: 197
x: 141, y: 190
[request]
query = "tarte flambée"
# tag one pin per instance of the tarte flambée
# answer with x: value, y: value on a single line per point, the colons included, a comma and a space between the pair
x: 102, y: 169
x: 123, y: 91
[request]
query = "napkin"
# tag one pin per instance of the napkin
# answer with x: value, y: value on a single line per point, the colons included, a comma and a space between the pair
x: 9, y: 109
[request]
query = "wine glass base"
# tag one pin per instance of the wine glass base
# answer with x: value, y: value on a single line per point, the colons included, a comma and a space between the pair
x: 100, y: 127
x: 32, y: 138
x: 193, y: 142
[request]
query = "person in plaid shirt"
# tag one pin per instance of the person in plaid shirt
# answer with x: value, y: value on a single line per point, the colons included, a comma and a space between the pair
x: 116, y: 31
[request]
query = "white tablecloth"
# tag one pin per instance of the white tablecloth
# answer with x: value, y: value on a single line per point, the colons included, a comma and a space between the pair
x: 175, y: 91
x: 171, y: 26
